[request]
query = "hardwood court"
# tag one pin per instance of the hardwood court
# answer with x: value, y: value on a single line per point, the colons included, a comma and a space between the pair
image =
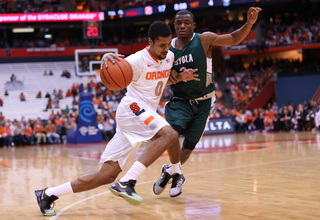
x: 236, y: 176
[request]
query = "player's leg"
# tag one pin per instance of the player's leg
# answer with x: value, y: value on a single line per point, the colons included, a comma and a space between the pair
x: 165, y: 139
x: 112, y: 160
x: 178, y: 113
x: 196, y: 127
x: 181, y: 115
x: 107, y: 174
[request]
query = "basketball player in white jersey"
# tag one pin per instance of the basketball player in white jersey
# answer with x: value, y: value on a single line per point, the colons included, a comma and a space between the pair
x: 137, y: 121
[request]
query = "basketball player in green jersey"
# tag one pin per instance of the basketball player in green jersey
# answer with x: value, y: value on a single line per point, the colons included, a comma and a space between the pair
x: 191, y: 103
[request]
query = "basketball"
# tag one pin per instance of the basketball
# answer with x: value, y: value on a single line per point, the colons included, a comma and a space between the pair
x: 117, y: 75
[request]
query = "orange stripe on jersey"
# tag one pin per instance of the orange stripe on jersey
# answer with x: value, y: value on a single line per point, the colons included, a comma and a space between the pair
x: 147, y: 48
x: 148, y: 120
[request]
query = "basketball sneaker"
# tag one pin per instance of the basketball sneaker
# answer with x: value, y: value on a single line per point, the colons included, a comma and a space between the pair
x: 45, y: 202
x: 162, y: 182
x: 177, y: 181
x: 126, y: 191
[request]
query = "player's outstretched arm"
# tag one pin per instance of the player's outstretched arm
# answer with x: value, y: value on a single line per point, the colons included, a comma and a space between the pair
x: 236, y: 36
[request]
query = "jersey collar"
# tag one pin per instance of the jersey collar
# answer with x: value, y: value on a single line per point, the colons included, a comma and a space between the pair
x: 173, y: 42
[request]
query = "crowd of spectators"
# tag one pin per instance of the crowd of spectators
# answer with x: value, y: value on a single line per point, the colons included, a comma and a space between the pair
x: 282, y: 32
x: 276, y: 31
x: 54, y: 129
x: 35, y: 132
x: 245, y: 83
x: 274, y: 118
x: 30, y: 6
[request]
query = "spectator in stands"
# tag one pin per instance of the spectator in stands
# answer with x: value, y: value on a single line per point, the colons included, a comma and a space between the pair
x: 59, y: 127
x: 285, y: 120
x: 74, y: 90
x: 47, y: 95
x: 1, y: 102
x: 39, y: 95
x: 268, y: 119
x: 300, y: 118
x: 57, y: 104
x: 8, y: 139
x: 67, y: 109
x: 63, y: 131
x: 108, y: 130
x: 52, y: 135
x: 22, y: 97
x: 13, y: 78
x: 258, y: 119
x: 39, y: 132
x: 241, y: 122
x: 28, y: 134
x: 49, y: 104
x: 66, y: 74
x: 276, y: 120
x: 70, y: 123
x: 60, y: 94
x: 275, y: 106
x: 3, y: 134
x: 291, y: 110
x: 18, y: 134
x: 52, y: 115
x: 1, y: 117
x: 68, y: 93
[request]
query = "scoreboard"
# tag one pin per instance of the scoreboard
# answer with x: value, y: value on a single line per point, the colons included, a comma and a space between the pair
x: 190, y: 5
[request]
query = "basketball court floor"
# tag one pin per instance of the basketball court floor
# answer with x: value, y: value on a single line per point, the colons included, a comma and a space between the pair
x: 230, y: 176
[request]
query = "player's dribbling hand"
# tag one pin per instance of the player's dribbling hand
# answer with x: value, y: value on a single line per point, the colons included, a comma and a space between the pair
x: 252, y: 15
x: 111, y: 57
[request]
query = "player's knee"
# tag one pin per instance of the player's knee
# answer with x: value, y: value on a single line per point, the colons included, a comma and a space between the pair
x: 107, y: 178
x: 108, y: 172
x: 186, y: 152
x: 178, y: 128
x: 188, y: 145
x: 172, y: 136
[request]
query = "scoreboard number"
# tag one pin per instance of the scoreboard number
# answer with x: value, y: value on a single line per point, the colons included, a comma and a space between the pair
x: 92, y: 30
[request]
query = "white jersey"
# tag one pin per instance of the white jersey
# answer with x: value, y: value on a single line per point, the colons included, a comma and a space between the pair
x: 137, y: 119
x: 149, y: 76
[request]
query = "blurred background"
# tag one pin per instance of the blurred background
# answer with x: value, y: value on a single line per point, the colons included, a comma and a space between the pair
x: 50, y: 52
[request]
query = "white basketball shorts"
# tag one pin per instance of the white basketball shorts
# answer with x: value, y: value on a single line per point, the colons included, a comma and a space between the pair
x: 136, y: 122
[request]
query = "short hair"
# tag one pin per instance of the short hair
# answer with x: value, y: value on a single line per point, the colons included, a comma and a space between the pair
x: 184, y: 12
x: 159, y: 29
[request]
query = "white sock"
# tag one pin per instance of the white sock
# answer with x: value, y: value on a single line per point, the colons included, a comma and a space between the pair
x: 60, y: 190
x: 136, y: 170
x: 174, y: 168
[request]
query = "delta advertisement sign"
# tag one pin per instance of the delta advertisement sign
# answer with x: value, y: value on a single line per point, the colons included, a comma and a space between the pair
x: 219, y: 126
x: 51, y: 17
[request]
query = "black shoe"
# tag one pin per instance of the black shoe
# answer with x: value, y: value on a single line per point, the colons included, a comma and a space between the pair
x: 162, y: 182
x: 177, y: 181
x: 45, y: 202
x: 126, y: 191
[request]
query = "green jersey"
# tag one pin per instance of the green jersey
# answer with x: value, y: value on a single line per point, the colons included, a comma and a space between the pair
x: 191, y: 56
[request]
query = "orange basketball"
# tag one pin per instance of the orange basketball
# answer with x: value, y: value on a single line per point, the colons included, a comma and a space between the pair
x: 117, y: 75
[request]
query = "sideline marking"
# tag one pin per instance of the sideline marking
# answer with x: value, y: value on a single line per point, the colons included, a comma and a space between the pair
x: 191, y: 174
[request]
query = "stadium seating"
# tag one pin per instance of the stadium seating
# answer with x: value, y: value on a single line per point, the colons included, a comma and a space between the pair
x: 31, y: 74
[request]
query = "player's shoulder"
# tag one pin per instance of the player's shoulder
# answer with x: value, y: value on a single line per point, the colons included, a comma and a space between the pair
x: 170, y: 54
x: 170, y: 57
x: 206, y: 34
x: 135, y: 57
